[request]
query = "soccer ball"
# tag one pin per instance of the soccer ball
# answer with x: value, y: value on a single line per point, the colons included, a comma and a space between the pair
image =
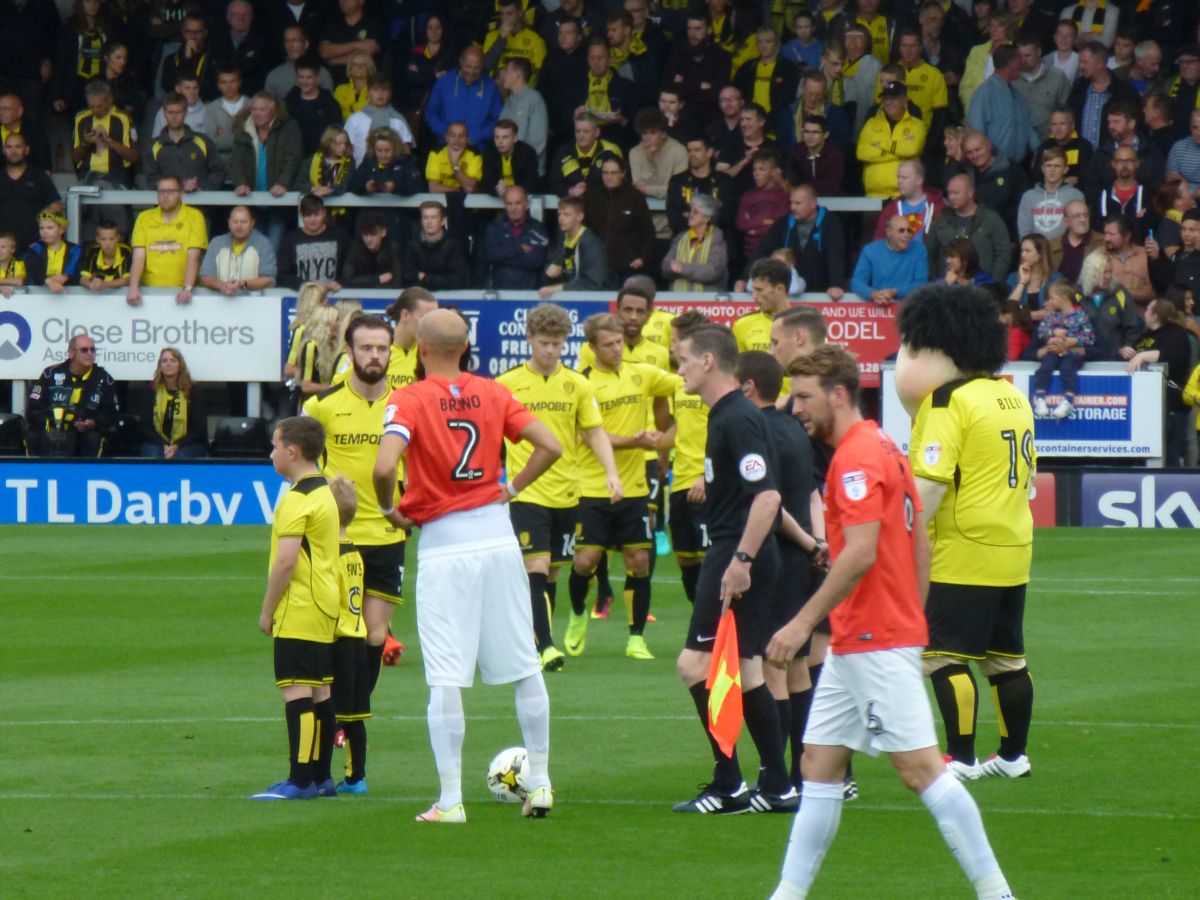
x: 506, y: 775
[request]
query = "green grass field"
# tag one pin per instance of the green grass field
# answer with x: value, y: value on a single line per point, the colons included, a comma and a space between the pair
x: 139, y: 712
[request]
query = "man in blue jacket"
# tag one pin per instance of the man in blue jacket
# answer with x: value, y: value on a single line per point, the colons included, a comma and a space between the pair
x: 1000, y: 112
x: 516, y: 245
x: 889, y: 268
x: 465, y: 96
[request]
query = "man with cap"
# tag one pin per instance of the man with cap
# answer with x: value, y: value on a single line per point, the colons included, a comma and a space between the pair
x: 888, y: 138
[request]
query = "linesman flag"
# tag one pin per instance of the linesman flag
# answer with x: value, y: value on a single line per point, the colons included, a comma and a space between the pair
x: 725, y: 687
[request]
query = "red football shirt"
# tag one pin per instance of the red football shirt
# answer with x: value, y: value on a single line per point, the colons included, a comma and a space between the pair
x: 454, y: 430
x: 870, y: 480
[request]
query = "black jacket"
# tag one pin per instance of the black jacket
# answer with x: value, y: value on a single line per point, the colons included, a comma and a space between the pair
x: 53, y: 389
x: 822, y: 261
x: 362, y: 268
x: 36, y: 258
x: 524, y: 168
x: 402, y: 173
x: 512, y: 267
x: 622, y: 220
x: 444, y: 264
x: 1117, y: 90
x: 684, y: 185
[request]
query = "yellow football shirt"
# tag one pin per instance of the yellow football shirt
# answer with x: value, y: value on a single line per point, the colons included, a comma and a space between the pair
x: 926, y: 88
x: 625, y: 398
x: 524, y: 44
x: 167, y: 244
x: 353, y: 427
x: 439, y: 169
x: 350, y: 591
x: 658, y: 328
x: 402, y: 367
x: 691, y: 433
x: 976, y: 437
x: 565, y: 403
x: 308, y: 610
x: 647, y: 351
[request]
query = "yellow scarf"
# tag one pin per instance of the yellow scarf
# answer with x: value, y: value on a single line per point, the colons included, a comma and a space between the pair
x: 170, y: 414
x: 597, y: 96
x: 837, y: 91
x: 692, y: 249
x: 569, y: 245
x: 763, y: 73
x: 637, y: 44
x: 1099, y: 15
x: 617, y: 56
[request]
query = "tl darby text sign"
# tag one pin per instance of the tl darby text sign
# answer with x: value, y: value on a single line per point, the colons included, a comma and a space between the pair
x: 138, y: 493
x: 222, y: 339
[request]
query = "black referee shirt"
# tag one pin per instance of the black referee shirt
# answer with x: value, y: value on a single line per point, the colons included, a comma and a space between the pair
x: 739, y: 462
x: 794, y: 451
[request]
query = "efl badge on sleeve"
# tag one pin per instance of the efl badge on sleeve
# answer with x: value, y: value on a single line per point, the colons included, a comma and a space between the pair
x: 855, y: 485
x: 933, y: 452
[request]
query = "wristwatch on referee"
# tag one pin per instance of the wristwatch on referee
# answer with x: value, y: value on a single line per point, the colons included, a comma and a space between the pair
x: 743, y: 556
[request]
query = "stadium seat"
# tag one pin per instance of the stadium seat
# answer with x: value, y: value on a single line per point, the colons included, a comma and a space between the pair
x: 12, y: 435
x: 244, y: 437
x: 125, y: 438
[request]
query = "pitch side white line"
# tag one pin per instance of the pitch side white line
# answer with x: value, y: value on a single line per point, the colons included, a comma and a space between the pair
x: 661, y: 804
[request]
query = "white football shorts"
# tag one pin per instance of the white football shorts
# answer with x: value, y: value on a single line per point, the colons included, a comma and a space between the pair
x: 872, y: 702
x: 473, y: 601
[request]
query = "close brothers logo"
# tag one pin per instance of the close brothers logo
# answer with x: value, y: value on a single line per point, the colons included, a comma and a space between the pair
x: 15, y: 335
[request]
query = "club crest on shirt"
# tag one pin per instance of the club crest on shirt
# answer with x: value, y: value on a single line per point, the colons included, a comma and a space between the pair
x: 708, y: 470
x: 568, y: 387
x: 932, y: 453
x: 854, y: 484
x: 753, y: 467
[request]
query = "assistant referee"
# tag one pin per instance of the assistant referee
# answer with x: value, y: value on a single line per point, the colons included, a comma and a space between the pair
x: 740, y: 568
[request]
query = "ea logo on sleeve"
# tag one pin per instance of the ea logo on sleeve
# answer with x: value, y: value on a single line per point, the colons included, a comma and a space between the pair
x: 753, y: 467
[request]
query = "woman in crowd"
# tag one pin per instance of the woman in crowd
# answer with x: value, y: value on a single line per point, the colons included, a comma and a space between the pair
x: 127, y: 93
x: 351, y: 95
x: 80, y: 54
x: 1165, y: 340
x: 312, y: 297
x: 962, y: 263
x: 174, y: 423
x: 426, y: 63
x: 1173, y: 199
x: 697, y: 259
x: 617, y: 212
x: 1034, y: 274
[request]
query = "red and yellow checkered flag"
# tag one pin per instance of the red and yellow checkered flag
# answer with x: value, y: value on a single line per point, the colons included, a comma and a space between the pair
x: 725, y: 687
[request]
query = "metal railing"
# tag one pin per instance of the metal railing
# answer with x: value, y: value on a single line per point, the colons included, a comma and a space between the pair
x: 79, y: 196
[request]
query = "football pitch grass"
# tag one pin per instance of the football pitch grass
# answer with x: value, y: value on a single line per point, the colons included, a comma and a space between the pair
x: 139, y: 712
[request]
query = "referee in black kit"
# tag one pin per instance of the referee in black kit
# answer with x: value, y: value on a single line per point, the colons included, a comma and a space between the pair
x: 739, y: 569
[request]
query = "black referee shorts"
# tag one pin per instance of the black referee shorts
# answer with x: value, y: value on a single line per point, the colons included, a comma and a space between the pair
x: 544, y: 530
x: 383, y: 570
x: 793, y: 587
x: 689, y: 531
x: 351, y: 679
x: 606, y: 526
x: 302, y: 662
x: 751, y: 611
x: 971, y: 621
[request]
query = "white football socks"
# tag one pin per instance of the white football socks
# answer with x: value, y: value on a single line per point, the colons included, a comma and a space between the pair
x: 959, y: 821
x: 447, y: 726
x: 813, y: 831
x: 533, y: 713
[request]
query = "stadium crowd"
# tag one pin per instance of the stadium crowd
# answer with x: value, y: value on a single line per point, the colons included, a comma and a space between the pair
x: 1070, y: 150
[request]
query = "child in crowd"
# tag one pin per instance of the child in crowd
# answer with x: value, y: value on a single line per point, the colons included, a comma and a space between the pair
x: 12, y: 269
x: 107, y: 266
x: 805, y: 48
x: 300, y: 608
x: 331, y: 168
x: 351, y: 679
x: 788, y: 255
x: 53, y: 262
x: 1063, y: 337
